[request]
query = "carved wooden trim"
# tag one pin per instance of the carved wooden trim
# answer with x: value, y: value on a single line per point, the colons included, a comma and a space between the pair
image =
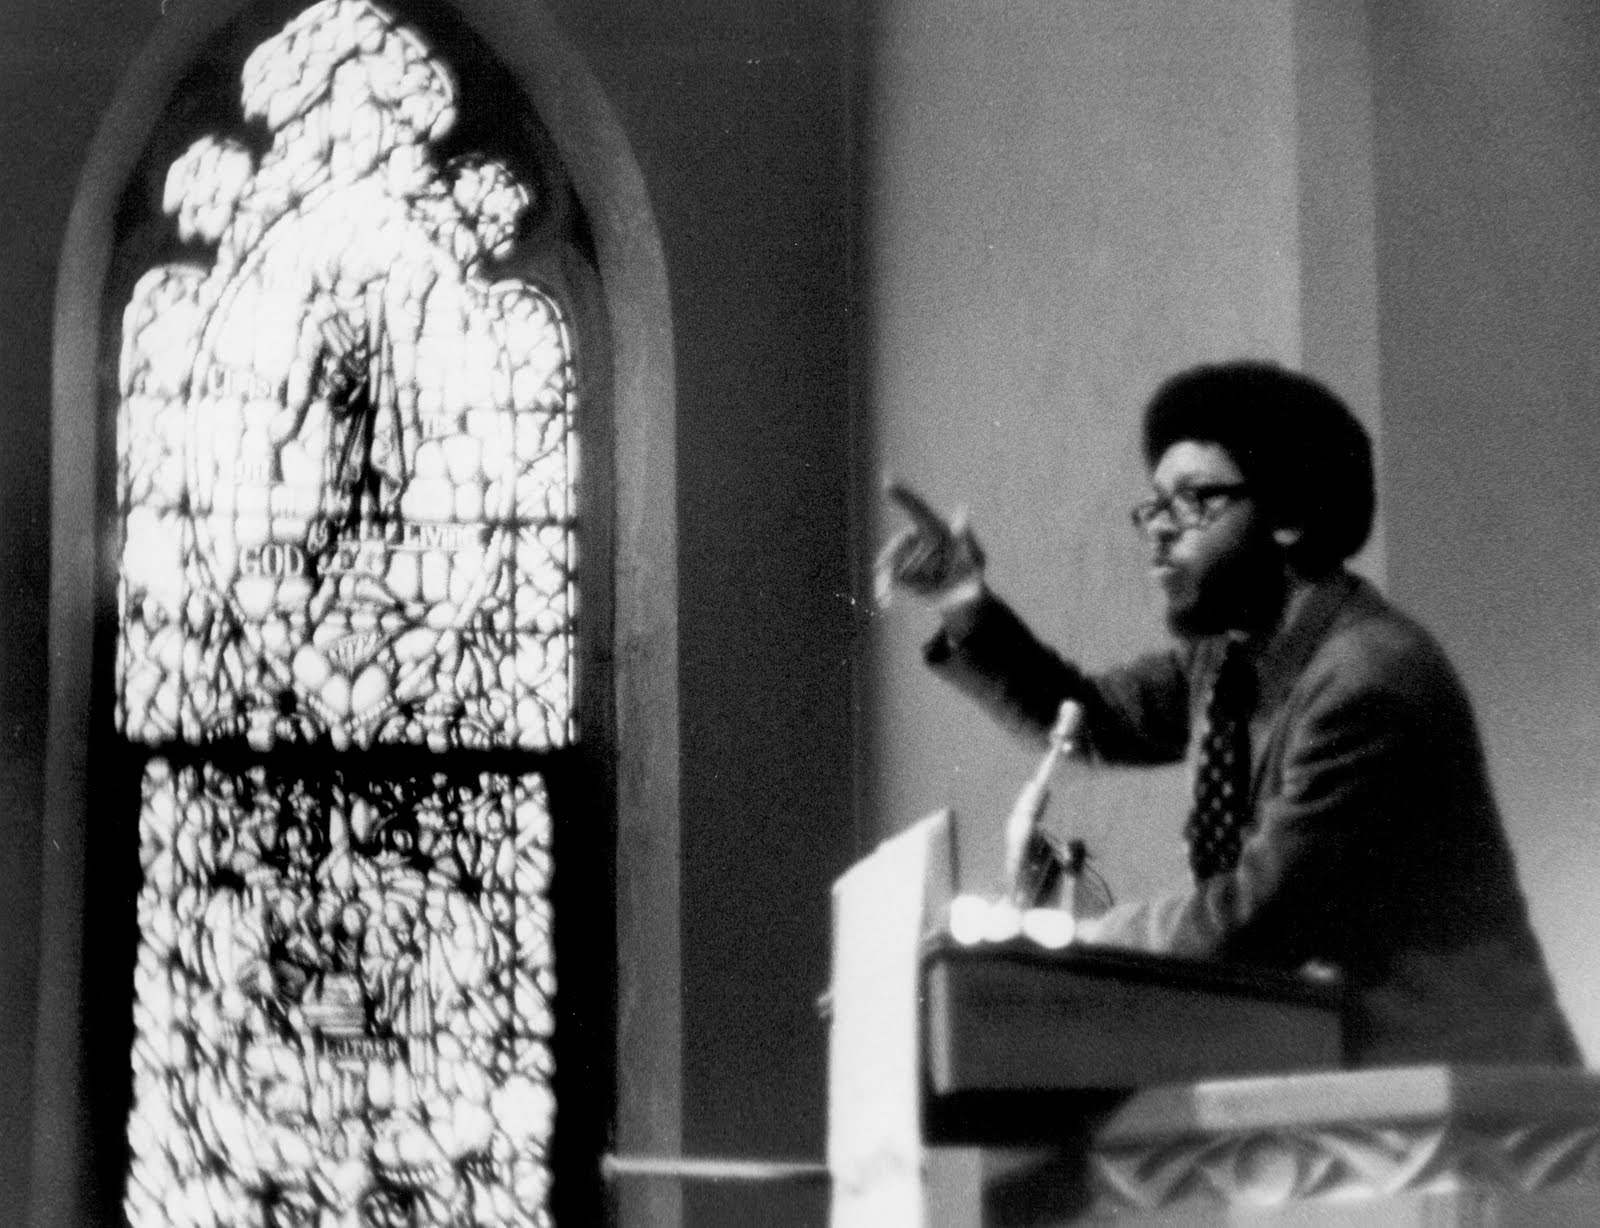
x: 1343, y: 1163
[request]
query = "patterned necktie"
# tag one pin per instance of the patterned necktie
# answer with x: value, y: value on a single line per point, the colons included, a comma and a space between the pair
x: 1221, y: 812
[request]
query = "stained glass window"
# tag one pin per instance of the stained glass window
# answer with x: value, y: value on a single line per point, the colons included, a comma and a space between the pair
x: 345, y: 476
x: 345, y: 451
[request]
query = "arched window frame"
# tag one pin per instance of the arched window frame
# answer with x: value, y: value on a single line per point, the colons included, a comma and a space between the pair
x: 640, y: 655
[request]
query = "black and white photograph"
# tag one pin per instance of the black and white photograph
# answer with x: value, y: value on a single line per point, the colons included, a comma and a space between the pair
x: 799, y: 613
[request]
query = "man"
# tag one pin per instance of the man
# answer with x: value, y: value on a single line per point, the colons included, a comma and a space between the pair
x: 1343, y: 813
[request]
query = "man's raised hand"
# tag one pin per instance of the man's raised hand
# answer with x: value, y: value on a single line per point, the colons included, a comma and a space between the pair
x: 936, y: 560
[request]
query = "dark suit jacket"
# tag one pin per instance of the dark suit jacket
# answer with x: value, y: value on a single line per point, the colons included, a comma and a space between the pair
x: 1377, y: 845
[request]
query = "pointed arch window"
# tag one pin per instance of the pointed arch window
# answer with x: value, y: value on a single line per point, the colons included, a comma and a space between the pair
x: 347, y: 699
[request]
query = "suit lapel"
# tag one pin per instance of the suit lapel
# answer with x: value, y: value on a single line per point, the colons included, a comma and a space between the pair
x: 1283, y: 659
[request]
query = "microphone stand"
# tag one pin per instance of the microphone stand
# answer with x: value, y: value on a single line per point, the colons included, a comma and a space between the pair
x: 1035, y: 865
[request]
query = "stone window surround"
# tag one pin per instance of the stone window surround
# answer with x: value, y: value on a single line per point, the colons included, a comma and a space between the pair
x: 642, y: 655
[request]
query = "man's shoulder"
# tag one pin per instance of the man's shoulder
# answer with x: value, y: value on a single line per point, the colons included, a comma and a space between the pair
x: 1370, y: 643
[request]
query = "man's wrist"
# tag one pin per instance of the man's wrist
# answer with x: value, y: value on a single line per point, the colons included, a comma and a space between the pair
x: 958, y: 606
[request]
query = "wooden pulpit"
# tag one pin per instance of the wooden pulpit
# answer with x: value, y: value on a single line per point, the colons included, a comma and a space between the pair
x: 1013, y: 1083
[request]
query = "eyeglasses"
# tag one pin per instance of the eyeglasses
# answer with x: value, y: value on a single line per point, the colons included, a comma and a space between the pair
x: 1189, y: 507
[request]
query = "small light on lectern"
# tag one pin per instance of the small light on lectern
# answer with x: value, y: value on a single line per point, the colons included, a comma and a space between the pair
x: 968, y: 919
x: 1049, y: 927
x: 1003, y: 923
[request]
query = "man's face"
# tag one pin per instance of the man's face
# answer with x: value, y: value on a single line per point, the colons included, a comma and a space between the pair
x: 1211, y: 550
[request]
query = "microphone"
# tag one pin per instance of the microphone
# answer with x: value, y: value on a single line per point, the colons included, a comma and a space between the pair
x: 1032, y: 865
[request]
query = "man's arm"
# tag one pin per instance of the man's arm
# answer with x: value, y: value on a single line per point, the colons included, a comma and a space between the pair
x: 1138, y: 713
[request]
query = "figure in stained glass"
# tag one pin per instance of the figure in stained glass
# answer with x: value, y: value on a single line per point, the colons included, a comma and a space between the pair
x: 346, y: 450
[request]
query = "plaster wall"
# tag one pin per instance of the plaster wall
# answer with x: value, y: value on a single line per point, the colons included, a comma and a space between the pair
x: 1488, y: 202
x: 1067, y: 203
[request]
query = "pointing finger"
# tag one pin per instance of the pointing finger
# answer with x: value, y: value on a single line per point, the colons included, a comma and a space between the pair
x: 918, y: 508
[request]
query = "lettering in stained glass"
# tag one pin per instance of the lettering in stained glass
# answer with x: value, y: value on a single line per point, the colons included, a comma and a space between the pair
x: 345, y: 451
